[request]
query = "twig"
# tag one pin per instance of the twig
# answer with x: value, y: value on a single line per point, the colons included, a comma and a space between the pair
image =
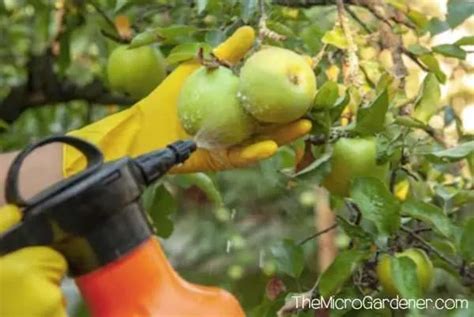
x: 59, y: 21
x: 114, y: 37
x: 357, y: 19
x: 317, y: 234
x: 324, y: 218
x: 430, y: 247
x: 353, y: 75
x: 301, y: 3
x: 263, y: 30
x: 414, y: 59
x: 103, y: 14
x: 45, y: 87
x: 317, y: 59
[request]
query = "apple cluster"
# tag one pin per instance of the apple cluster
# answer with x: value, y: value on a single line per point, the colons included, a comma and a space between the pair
x: 220, y: 109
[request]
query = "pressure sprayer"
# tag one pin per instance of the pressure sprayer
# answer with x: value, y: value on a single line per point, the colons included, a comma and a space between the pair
x: 97, y: 221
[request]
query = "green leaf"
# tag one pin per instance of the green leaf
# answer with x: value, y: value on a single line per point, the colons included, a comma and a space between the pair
x: 119, y: 4
x: 429, y: 214
x: 215, y: 37
x: 204, y: 183
x: 359, y: 238
x: 418, y: 49
x: 201, y: 5
x: 450, y: 50
x: 170, y: 35
x: 405, y: 277
x: 418, y: 18
x: 280, y: 28
x: 289, y: 258
x: 433, y: 65
x: 340, y: 270
x: 467, y: 240
x: 376, y: 204
x: 336, y: 38
x: 428, y: 99
x: 458, y: 11
x: 317, y: 170
x: 336, y: 111
x: 159, y: 204
x: 410, y: 122
x: 453, y: 154
x: 371, y: 119
x: 247, y: 9
x: 436, y: 26
x: 467, y: 40
x: 3, y: 125
x: 327, y: 95
x: 145, y: 38
x: 186, y: 51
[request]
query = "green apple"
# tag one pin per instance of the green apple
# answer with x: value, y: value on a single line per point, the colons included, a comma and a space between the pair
x: 353, y: 158
x: 424, y: 270
x: 277, y: 85
x: 209, y: 109
x: 135, y: 71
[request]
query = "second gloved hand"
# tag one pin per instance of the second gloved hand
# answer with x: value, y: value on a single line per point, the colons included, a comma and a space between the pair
x: 30, y: 278
x: 153, y: 123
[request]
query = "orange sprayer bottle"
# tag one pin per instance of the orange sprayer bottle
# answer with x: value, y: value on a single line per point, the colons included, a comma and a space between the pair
x: 96, y: 220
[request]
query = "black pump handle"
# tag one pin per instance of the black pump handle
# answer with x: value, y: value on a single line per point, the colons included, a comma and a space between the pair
x: 12, y: 194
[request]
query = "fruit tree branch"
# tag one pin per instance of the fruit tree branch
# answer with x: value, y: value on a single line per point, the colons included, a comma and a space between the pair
x: 352, y: 58
x: 302, y: 3
x: 44, y: 87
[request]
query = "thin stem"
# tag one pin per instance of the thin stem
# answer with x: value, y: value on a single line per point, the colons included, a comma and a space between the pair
x: 357, y: 19
x: 317, y: 234
x: 430, y: 247
x: 103, y: 14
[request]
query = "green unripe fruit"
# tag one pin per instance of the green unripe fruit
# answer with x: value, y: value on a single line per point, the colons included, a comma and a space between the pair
x: 353, y: 158
x: 277, y: 85
x: 424, y: 270
x: 209, y: 109
x: 135, y: 71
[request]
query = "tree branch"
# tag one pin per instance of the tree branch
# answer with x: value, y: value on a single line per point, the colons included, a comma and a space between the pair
x: 302, y: 3
x: 44, y: 87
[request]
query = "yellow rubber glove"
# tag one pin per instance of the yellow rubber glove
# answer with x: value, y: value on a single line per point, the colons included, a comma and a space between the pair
x: 153, y: 123
x: 30, y: 277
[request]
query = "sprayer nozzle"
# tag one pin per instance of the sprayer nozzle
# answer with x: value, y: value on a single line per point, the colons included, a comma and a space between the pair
x: 155, y: 164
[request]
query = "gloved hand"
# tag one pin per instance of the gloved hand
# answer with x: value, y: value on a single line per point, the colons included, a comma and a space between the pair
x: 30, y: 277
x: 153, y: 123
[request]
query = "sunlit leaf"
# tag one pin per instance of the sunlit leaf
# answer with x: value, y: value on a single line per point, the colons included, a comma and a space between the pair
x: 336, y: 38
x: 327, y: 95
x: 433, y: 65
x: 428, y: 99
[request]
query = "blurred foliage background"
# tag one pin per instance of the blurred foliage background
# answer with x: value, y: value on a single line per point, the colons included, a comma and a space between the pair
x: 226, y: 229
